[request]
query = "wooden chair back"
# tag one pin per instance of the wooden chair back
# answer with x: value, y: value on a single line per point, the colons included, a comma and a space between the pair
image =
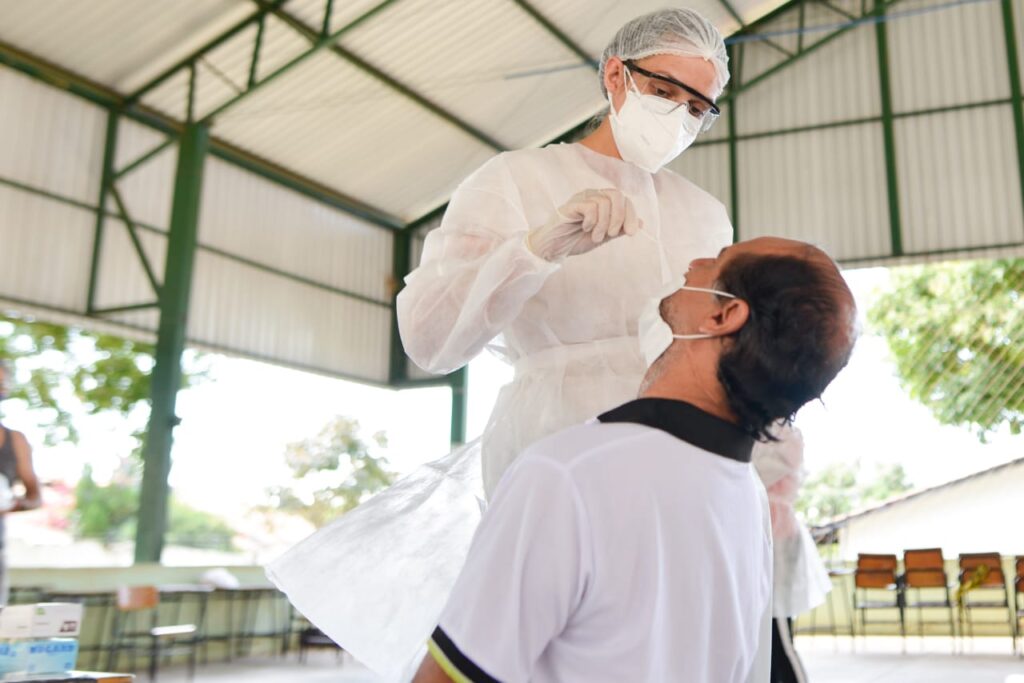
x: 875, y: 561
x: 923, y: 558
x: 136, y: 598
x: 970, y: 562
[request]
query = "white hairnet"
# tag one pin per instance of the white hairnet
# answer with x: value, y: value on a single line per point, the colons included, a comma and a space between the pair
x: 681, y: 32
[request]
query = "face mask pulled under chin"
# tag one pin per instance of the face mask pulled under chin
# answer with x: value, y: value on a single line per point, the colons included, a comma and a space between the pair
x: 644, y: 135
x: 655, y: 334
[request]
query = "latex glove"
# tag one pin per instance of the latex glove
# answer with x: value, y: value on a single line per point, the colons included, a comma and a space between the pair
x: 589, y: 219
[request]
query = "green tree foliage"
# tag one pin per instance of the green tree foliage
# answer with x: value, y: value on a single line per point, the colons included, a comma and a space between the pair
x: 841, y: 488
x: 108, y: 513
x: 105, y: 512
x: 64, y: 374
x: 62, y: 371
x: 333, y: 473
x: 955, y: 333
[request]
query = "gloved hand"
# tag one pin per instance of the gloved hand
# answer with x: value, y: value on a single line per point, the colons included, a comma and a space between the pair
x: 589, y: 219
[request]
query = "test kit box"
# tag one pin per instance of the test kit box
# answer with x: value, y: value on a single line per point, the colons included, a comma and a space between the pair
x: 49, y: 656
x: 42, y: 620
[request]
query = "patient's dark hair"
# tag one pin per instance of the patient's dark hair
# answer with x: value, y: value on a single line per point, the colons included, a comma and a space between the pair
x: 798, y: 337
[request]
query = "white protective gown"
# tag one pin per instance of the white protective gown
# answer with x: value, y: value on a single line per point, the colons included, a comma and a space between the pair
x: 376, y: 580
x: 800, y: 580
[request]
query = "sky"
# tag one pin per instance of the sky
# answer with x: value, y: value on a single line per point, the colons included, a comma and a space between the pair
x: 235, y: 426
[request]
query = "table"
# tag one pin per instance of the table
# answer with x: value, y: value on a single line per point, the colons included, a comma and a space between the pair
x: 76, y: 677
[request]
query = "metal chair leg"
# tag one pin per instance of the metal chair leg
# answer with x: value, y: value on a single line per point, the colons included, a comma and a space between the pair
x: 154, y: 659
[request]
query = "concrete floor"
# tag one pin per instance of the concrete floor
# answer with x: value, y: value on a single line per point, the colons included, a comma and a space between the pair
x: 828, y: 660
x: 931, y: 660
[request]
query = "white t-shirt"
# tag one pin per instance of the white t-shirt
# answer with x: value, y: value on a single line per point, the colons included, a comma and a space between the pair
x: 634, y: 548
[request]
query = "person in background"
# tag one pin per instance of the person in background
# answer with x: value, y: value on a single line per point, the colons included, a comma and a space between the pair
x: 801, y: 582
x: 15, y: 467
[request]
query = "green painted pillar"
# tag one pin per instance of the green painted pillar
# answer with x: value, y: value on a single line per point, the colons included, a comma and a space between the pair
x: 888, y: 130
x: 401, y: 255
x: 166, y: 378
x: 460, y: 394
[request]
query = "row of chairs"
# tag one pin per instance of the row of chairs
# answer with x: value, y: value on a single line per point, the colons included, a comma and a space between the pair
x: 924, y: 584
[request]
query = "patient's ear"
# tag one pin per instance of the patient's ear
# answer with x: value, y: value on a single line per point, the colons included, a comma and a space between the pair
x: 728, y: 320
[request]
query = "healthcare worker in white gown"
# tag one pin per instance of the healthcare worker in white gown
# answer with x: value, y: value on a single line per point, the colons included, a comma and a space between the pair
x: 800, y: 580
x: 547, y: 256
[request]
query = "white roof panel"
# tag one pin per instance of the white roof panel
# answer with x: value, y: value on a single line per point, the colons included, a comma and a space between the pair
x: 959, y: 191
x: 947, y: 58
x: 346, y: 128
x: 118, y: 43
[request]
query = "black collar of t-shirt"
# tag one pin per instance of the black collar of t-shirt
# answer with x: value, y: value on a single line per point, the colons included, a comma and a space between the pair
x: 688, y: 423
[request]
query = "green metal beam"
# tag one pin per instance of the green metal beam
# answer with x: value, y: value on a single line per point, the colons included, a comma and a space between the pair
x: 859, y: 121
x: 166, y: 376
x: 133, y: 234
x: 166, y: 74
x: 257, y: 48
x: 128, y: 168
x: 235, y: 258
x: 241, y: 353
x: 321, y: 43
x: 802, y: 19
x: 460, y: 404
x: 190, y: 106
x: 838, y: 10
x: 888, y: 133
x: 743, y: 25
x: 127, y: 308
x: 106, y: 179
x: 879, y: 10
x: 111, y: 100
x: 325, y: 28
x: 1017, y: 104
x: 559, y: 35
x: 394, y: 84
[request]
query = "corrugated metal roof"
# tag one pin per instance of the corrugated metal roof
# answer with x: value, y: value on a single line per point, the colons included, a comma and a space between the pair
x: 839, y: 84
x: 33, y: 270
x: 947, y: 58
x: 789, y: 188
x: 121, y: 44
x: 959, y: 190
x: 279, y: 276
x: 488, y: 62
x: 49, y: 140
x: 507, y: 81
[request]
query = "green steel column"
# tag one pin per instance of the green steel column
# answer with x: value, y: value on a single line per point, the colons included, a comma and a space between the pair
x: 734, y: 186
x: 888, y: 132
x: 460, y: 396
x: 400, y: 264
x: 166, y: 378
x: 1016, y: 103
x: 106, y: 178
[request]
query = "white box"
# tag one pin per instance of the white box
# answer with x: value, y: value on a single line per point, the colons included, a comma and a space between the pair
x: 42, y: 620
x: 52, y: 656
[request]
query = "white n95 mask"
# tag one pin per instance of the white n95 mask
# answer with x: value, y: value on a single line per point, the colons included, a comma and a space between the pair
x: 655, y: 334
x: 647, y: 133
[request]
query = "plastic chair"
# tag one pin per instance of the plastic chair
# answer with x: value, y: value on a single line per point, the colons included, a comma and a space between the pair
x: 137, y: 604
x: 875, y: 573
x: 982, y: 573
x: 926, y: 586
